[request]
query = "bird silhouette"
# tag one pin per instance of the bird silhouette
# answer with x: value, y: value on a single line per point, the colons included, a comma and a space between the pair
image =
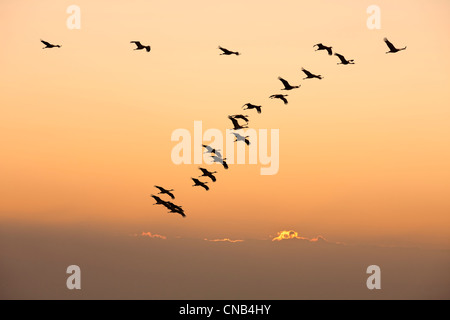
x: 280, y: 96
x: 173, y: 208
x: 240, y: 116
x: 226, y: 52
x: 236, y: 124
x: 286, y: 84
x: 198, y: 183
x: 212, y: 150
x: 392, y: 48
x: 320, y: 46
x: 209, y: 174
x: 219, y: 159
x: 173, y: 205
x: 165, y: 191
x: 48, y: 45
x: 241, y: 138
x: 343, y: 60
x: 169, y: 205
x: 140, y: 46
x: 249, y: 106
x: 310, y: 75
x: 158, y: 200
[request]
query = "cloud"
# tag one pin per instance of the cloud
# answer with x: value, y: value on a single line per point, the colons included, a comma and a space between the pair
x: 293, y: 235
x: 223, y: 240
x: 150, y: 235
x: 281, y: 235
x: 318, y: 239
x: 288, y: 235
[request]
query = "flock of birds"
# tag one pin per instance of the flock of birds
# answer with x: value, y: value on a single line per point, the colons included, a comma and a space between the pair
x: 239, y: 121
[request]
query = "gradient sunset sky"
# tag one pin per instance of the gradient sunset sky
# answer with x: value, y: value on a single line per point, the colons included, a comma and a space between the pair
x: 364, y: 153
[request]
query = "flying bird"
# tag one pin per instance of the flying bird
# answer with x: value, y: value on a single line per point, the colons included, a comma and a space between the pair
x: 310, y: 75
x: 158, y: 200
x: 173, y: 205
x: 343, y: 60
x: 173, y: 208
x: 140, y: 46
x: 240, y: 116
x: 198, y: 183
x: 226, y: 52
x: 241, y: 138
x: 249, y: 106
x: 209, y: 174
x: 165, y: 191
x: 236, y: 124
x: 169, y: 205
x: 322, y: 47
x: 220, y: 160
x: 392, y: 48
x: 280, y: 96
x: 286, y: 84
x: 211, y: 150
x: 49, y: 45
x: 180, y: 212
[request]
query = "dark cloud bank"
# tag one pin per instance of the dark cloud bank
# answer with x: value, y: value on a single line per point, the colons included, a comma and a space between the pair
x: 33, y: 265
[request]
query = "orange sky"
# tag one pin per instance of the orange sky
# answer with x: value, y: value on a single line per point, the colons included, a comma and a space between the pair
x: 364, y: 153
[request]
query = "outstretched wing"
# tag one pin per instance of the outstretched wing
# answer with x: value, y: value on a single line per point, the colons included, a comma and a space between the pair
x: 308, y: 74
x: 235, y: 122
x: 284, y: 82
x: 208, y: 148
x: 329, y: 50
x: 225, y: 50
x: 225, y: 165
x: 137, y: 43
x: 181, y: 212
x: 240, y: 116
x: 205, y: 186
x: 284, y: 99
x: 158, y: 199
x: 45, y: 42
x: 341, y: 57
x: 170, y: 194
x: 390, y: 45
